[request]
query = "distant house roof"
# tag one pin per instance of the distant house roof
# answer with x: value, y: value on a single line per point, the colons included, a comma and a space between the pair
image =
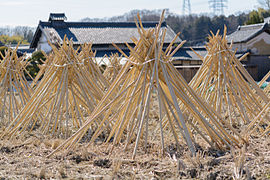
x: 185, y: 53
x: 27, y: 51
x: 95, y: 32
x: 22, y: 49
x: 247, y: 32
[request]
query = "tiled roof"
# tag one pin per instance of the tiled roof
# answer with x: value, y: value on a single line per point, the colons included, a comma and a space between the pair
x: 184, y: 53
x: 29, y: 50
x: 245, y: 33
x: 95, y: 32
x: 187, y: 54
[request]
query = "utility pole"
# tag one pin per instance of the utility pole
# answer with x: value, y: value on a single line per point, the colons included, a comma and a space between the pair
x: 218, y: 6
x: 186, y: 7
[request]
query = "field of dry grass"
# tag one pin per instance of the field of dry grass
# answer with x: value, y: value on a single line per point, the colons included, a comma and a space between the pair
x: 25, y: 157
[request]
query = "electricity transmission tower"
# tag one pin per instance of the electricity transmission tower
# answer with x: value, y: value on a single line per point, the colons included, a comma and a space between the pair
x: 218, y: 6
x: 186, y: 7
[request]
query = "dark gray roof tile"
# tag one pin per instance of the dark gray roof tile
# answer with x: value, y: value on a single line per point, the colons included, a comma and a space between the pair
x: 96, y: 32
x: 247, y: 32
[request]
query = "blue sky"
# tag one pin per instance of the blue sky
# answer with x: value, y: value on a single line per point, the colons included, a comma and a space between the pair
x: 29, y: 12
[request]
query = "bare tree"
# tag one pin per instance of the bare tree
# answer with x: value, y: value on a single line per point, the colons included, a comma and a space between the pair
x: 264, y: 3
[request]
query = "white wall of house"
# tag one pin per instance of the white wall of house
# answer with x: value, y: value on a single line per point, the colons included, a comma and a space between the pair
x: 43, y: 44
x: 258, y: 45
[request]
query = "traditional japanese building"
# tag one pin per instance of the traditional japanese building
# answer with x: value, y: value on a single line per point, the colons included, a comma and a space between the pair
x: 100, y: 34
x: 254, y: 39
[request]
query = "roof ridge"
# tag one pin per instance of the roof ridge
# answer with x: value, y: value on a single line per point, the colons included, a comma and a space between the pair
x: 109, y: 22
x: 96, y: 32
x: 252, y: 25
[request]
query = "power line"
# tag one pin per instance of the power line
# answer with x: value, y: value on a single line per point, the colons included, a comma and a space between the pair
x: 218, y: 6
x: 186, y: 7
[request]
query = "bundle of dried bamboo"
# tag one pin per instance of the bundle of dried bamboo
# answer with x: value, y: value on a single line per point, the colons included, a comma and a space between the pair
x: 14, y: 90
x: 126, y: 104
x: 113, y: 67
x: 64, y: 96
x: 225, y: 84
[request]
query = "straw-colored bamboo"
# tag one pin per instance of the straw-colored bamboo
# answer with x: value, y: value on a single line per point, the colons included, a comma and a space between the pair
x: 42, y: 68
x: 113, y: 67
x: 126, y: 104
x: 262, y: 120
x: 64, y: 96
x: 225, y: 84
x: 14, y: 89
x: 89, y: 60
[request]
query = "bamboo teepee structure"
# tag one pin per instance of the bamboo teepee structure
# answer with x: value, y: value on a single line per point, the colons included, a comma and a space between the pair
x: 225, y: 84
x: 14, y: 89
x: 67, y: 93
x: 126, y: 104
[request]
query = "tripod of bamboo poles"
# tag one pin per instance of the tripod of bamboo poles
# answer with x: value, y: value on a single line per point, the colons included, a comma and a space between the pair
x: 14, y: 89
x: 126, y: 104
x: 67, y: 93
x: 224, y: 83
x: 113, y: 67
